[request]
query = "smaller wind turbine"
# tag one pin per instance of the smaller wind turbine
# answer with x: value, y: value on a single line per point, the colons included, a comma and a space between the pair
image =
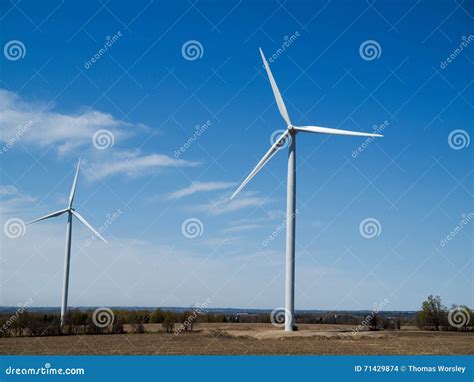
x: 70, y: 213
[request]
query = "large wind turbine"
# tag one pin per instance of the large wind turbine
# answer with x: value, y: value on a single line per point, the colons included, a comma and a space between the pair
x: 290, y: 133
x: 70, y: 213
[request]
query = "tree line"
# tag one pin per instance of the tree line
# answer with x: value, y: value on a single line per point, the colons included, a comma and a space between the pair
x: 432, y: 316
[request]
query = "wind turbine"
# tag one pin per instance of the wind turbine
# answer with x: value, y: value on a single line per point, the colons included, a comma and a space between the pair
x: 290, y: 133
x: 70, y: 213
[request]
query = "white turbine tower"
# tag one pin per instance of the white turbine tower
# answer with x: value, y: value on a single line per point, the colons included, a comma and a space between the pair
x: 290, y: 133
x: 70, y: 213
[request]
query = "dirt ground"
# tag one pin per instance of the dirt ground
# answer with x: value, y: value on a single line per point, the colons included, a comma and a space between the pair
x: 249, y: 339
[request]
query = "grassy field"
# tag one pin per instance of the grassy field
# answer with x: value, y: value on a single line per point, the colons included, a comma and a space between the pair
x: 248, y: 339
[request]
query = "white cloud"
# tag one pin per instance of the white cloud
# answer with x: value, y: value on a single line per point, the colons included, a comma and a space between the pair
x: 38, y: 125
x: 196, y: 187
x: 12, y: 200
x: 134, y: 164
x: 225, y: 205
x: 8, y: 190
x: 242, y: 227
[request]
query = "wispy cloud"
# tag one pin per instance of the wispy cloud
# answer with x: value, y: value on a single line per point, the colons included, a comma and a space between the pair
x: 225, y: 205
x: 241, y: 227
x: 196, y: 187
x: 8, y: 190
x: 13, y: 200
x: 38, y: 125
x: 134, y: 164
x: 41, y: 126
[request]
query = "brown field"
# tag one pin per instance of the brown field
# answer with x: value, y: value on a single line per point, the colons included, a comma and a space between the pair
x: 248, y: 339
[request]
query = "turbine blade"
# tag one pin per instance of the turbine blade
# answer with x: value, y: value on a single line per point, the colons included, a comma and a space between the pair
x: 51, y: 215
x: 276, y: 92
x: 328, y: 130
x: 74, y: 183
x: 268, y: 155
x: 84, y: 221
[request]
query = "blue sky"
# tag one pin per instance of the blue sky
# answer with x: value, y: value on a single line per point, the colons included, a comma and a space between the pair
x: 415, y: 183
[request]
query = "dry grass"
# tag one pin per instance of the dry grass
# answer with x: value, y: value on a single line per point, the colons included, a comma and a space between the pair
x: 248, y: 339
